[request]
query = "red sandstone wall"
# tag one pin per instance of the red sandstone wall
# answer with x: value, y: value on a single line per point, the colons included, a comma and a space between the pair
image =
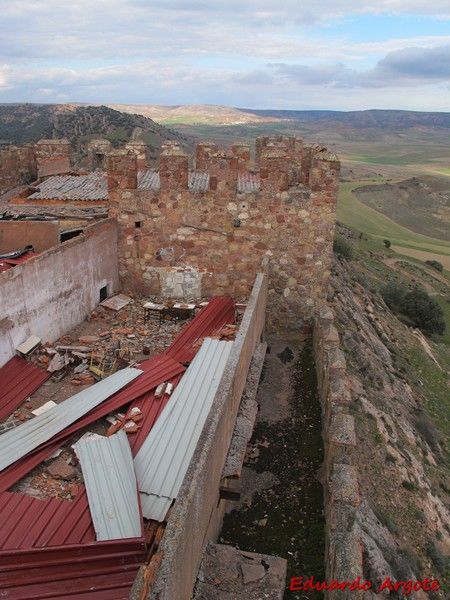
x: 15, y: 235
x: 180, y: 242
x: 53, y: 157
x: 17, y: 167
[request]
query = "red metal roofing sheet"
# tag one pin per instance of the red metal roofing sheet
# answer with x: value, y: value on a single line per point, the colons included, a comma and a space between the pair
x: 107, y: 582
x: 156, y: 370
x: 54, y: 539
x: 4, y: 266
x: 43, y: 523
x: 18, y: 379
x: 218, y: 312
x: 20, y: 259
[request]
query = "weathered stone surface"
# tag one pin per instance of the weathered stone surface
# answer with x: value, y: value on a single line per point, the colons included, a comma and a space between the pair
x: 286, y: 215
x: 227, y: 574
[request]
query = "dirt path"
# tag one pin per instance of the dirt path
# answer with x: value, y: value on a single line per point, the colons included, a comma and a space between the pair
x: 422, y: 255
x: 392, y: 263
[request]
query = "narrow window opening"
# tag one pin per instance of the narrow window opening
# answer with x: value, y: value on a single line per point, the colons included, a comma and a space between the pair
x: 137, y: 224
x: 103, y: 293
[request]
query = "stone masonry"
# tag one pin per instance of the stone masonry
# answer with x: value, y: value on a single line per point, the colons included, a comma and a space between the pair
x: 17, y: 167
x: 209, y: 231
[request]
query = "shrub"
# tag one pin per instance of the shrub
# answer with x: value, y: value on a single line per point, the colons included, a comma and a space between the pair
x: 421, y: 310
x: 387, y: 243
x: 435, y: 265
x: 424, y: 312
x: 342, y: 247
x: 393, y: 294
x: 411, y: 487
x: 439, y: 560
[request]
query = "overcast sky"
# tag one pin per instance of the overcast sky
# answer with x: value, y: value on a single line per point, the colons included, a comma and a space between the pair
x: 285, y: 54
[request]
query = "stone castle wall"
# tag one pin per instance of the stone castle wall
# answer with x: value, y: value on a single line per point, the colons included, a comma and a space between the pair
x: 20, y: 166
x: 17, y: 167
x: 207, y: 233
x: 343, y: 553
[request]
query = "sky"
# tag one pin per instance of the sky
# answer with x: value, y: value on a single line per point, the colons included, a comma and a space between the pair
x: 279, y: 54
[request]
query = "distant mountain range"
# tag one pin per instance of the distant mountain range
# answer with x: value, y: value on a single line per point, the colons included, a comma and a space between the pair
x: 380, y: 119
x: 24, y: 123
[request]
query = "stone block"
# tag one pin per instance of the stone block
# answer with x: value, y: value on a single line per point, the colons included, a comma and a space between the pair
x: 343, y: 485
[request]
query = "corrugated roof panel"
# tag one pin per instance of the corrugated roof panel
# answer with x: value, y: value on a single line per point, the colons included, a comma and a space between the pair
x: 19, y: 379
x: 110, y: 582
x: 148, y: 180
x: 108, y: 472
x: 93, y: 186
x: 17, y: 442
x: 151, y: 408
x: 218, y: 312
x: 155, y: 370
x: 164, y: 457
x: 248, y: 182
x: 43, y: 523
x: 198, y: 181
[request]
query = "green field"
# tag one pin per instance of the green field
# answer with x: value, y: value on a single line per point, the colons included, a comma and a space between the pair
x: 353, y: 213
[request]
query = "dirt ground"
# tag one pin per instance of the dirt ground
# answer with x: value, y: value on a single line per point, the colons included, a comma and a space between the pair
x: 280, y: 512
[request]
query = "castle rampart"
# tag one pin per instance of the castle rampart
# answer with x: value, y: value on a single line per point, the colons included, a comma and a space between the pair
x: 184, y: 234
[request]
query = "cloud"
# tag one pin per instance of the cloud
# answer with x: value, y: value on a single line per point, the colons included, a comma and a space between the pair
x: 234, y: 52
x: 419, y: 64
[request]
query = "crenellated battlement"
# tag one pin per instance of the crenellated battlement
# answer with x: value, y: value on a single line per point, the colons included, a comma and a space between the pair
x: 208, y: 231
x: 280, y: 163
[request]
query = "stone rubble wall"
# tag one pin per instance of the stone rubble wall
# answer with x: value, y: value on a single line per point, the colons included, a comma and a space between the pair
x: 343, y: 560
x: 53, y: 157
x: 175, y: 241
x: 20, y: 166
x: 17, y: 167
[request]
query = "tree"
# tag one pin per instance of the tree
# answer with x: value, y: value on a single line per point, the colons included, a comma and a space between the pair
x: 435, y: 264
x: 393, y: 294
x: 423, y: 311
x: 387, y: 243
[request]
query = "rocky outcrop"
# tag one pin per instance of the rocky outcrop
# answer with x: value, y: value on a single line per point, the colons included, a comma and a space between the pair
x: 383, y: 471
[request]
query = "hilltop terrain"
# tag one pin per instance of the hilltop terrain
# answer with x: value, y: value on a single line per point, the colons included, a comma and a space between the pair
x: 27, y: 123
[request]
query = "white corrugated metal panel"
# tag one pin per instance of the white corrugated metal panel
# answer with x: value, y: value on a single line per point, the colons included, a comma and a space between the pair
x: 164, y: 457
x: 73, y: 187
x: 17, y: 442
x: 248, y: 182
x: 198, y: 181
x: 148, y: 180
x: 108, y: 471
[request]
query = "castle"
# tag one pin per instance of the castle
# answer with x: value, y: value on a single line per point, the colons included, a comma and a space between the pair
x: 255, y: 226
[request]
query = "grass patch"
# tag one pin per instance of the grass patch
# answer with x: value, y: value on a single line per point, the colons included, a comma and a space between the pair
x: 353, y: 213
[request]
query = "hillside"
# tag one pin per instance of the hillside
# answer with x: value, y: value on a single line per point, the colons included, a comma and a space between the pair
x: 195, y: 113
x: 386, y: 120
x: 401, y: 407
x: 27, y: 123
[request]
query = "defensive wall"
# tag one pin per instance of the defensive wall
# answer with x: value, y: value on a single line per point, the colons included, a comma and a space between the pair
x: 343, y: 552
x: 206, y: 232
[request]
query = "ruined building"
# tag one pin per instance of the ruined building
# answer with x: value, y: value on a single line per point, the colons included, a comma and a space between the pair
x: 258, y: 229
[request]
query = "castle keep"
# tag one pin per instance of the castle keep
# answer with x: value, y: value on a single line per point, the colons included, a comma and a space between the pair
x: 208, y: 231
